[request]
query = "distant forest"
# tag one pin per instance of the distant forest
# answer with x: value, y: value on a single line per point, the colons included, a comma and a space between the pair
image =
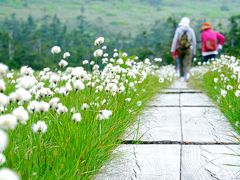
x: 28, y: 42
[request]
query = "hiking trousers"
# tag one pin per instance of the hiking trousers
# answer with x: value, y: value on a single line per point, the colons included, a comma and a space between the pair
x: 185, y: 58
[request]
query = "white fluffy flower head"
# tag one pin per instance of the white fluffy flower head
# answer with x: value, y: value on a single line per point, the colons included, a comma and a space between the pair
x: 39, y: 127
x: 55, y: 50
x: 77, y: 117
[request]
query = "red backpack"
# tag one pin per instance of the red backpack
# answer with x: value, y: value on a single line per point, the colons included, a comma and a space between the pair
x: 211, y: 43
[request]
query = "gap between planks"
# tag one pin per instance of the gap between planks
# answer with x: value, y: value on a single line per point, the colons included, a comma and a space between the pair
x: 181, y: 92
x: 136, y: 142
x: 210, y: 106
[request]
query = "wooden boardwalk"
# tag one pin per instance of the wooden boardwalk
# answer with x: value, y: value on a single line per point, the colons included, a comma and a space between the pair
x: 181, y: 135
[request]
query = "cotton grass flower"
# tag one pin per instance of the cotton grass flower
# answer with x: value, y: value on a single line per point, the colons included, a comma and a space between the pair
x: 9, y: 75
x: 161, y: 80
x: 61, y: 109
x: 76, y: 117
x: 120, y: 61
x: 55, y: 50
x: 78, y: 85
x: 42, y: 107
x: 4, y: 100
x: 85, y: 62
x: 32, y: 106
x: 237, y: 93
x: 128, y: 99
x: 7, y: 174
x: 21, y: 114
x: 158, y: 59
x: 62, y: 63
x: 84, y: 106
x: 22, y: 95
x: 8, y: 121
x: 223, y: 93
x: 3, y: 69
x: 139, y: 103
x: 26, y: 71
x: 215, y: 80
x: 229, y: 87
x: 104, y: 47
x: 54, y: 102
x: 39, y: 127
x: 124, y: 54
x: 66, y: 55
x: 3, y: 140
x: 99, y: 41
x: 98, y: 53
x: 26, y: 82
x: 104, y: 114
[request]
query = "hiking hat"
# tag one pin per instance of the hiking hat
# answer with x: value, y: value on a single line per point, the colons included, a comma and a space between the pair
x: 206, y: 25
x: 185, y: 21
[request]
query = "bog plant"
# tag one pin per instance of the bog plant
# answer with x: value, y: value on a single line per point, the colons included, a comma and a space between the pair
x: 64, y: 123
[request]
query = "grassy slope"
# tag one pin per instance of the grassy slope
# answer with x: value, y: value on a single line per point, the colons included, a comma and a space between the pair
x: 123, y: 15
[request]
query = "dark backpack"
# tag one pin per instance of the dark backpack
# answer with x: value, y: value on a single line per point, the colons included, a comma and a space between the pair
x: 184, y: 42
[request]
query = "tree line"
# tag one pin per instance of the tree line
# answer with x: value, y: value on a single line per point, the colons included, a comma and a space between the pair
x: 28, y: 42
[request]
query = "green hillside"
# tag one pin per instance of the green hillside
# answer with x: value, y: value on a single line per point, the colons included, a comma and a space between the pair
x: 122, y: 15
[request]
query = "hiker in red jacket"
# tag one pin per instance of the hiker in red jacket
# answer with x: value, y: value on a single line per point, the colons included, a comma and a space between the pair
x: 212, y: 42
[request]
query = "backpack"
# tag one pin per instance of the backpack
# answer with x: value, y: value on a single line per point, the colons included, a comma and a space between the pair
x: 210, y: 45
x: 184, y: 42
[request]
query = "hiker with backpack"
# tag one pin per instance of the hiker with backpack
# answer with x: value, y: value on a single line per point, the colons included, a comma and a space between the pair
x: 212, y: 42
x: 184, y: 47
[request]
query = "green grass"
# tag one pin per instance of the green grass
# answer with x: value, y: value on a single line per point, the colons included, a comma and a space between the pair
x: 70, y: 150
x: 134, y: 12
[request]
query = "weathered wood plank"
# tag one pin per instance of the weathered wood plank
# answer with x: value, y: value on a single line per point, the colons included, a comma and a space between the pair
x: 205, y: 125
x: 157, y: 124
x: 209, y: 162
x: 165, y: 100
x: 195, y: 99
x: 143, y: 162
x: 179, y: 85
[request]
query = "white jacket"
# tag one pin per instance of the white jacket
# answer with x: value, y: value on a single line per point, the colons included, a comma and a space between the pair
x: 178, y: 34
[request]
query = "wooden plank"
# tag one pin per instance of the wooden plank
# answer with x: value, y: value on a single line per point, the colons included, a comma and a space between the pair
x: 201, y: 124
x: 165, y: 100
x: 208, y: 162
x: 179, y: 85
x: 157, y: 124
x: 195, y: 99
x: 143, y: 162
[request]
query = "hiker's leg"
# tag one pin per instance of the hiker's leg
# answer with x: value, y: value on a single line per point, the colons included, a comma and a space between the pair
x: 213, y: 56
x: 209, y: 57
x: 205, y: 58
x: 187, y: 65
x: 181, y: 61
x: 178, y: 66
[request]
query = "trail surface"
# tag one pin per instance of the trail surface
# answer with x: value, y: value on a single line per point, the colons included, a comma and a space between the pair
x: 182, y: 136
